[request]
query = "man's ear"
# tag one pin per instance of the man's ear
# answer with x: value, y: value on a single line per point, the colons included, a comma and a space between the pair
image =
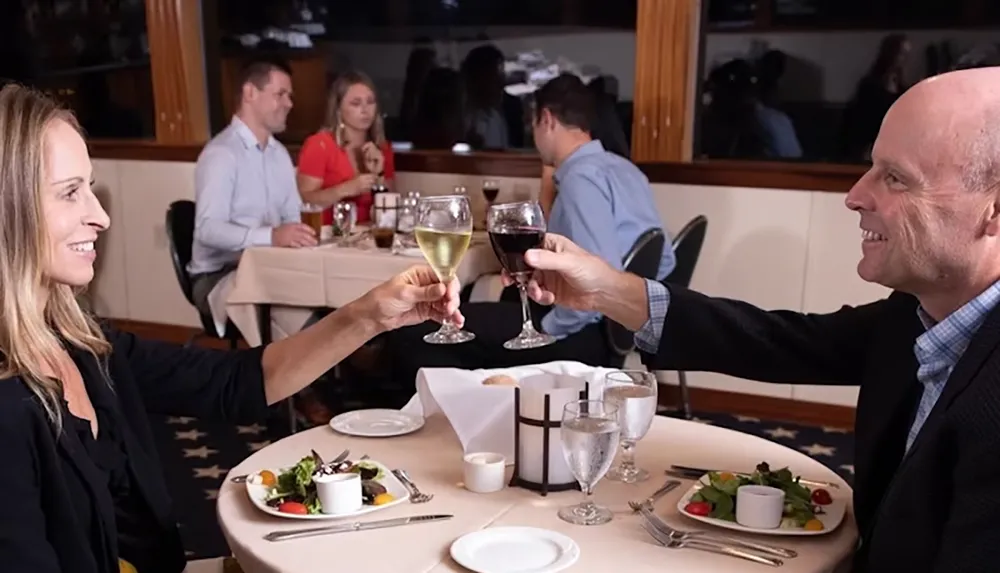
x: 992, y: 223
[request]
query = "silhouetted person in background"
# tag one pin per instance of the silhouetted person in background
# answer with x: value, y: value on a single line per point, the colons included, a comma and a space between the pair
x: 494, y: 119
x: 420, y: 63
x: 875, y: 94
x: 439, y: 119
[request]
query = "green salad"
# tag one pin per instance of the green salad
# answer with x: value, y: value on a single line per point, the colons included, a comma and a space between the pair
x: 293, y: 490
x: 718, y: 498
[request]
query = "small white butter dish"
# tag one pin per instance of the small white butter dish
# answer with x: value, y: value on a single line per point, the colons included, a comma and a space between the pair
x: 759, y: 506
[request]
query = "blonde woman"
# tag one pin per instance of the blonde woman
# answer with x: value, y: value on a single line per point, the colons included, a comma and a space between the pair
x: 349, y: 153
x: 83, y: 489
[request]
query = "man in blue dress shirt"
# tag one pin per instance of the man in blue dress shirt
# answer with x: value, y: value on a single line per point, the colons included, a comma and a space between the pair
x: 245, y: 191
x: 604, y: 203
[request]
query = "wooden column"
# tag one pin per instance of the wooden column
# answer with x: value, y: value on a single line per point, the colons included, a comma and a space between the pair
x: 666, y: 61
x: 178, y: 67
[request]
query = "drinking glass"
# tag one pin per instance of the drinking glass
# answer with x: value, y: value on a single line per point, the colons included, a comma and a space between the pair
x: 344, y: 218
x: 443, y: 230
x: 634, y: 393
x: 590, y: 434
x: 312, y: 215
x: 490, y: 191
x: 514, y: 228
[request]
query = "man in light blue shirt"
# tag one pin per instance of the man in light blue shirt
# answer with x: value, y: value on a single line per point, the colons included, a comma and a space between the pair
x: 603, y: 201
x: 245, y: 191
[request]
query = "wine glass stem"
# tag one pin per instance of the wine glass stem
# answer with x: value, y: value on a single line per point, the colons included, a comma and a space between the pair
x: 628, y: 456
x: 526, y: 324
x: 586, y: 506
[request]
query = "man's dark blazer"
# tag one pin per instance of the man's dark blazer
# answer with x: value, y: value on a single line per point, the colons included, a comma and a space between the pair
x: 937, y: 508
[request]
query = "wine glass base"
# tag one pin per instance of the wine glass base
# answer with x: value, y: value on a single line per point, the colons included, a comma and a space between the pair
x: 531, y: 340
x: 583, y: 515
x: 452, y: 337
x: 630, y: 475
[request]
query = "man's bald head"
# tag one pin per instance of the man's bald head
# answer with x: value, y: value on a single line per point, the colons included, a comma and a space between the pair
x: 930, y: 204
x: 953, y: 123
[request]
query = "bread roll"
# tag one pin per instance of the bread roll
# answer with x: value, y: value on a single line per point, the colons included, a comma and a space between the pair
x: 500, y: 380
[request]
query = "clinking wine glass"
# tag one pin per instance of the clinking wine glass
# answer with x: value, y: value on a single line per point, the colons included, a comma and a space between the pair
x: 514, y: 228
x: 590, y: 433
x: 634, y: 394
x: 443, y: 229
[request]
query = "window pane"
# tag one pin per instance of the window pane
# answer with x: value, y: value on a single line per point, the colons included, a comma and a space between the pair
x: 483, y: 58
x: 803, y: 80
x: 93, y: 56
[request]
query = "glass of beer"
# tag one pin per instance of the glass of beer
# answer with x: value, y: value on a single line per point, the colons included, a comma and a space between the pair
x: 443, y: 230
x: 312, y: 215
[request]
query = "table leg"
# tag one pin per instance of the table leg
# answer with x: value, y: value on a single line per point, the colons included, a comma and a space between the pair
x: 264, y: 318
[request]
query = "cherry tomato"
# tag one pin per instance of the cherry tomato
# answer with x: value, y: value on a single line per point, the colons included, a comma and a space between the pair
x: 698, y: 508
x: 821, y: 497
x: 293, y: 507
x: 813, y: 525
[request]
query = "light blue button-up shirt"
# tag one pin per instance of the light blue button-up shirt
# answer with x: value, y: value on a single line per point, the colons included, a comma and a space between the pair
x: 604, y: 203
x: 242, y: 191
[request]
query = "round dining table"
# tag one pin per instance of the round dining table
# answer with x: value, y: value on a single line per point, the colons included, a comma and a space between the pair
x: 432, y: 456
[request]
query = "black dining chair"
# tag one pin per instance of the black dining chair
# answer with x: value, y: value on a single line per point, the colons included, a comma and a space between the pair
x: 180, y: 236
x: 642, y: 259
x: 687, y: 248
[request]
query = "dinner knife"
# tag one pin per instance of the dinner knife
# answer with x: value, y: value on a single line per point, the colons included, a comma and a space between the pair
x: 355, y: 526
x: 695, y: 473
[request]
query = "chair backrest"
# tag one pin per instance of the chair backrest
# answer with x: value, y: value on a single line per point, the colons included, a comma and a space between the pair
x: 180, y: 236
x: 643, y: 259
x: 687, y: 249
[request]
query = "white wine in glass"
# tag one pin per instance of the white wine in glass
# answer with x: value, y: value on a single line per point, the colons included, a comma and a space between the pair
x: 443, y: 230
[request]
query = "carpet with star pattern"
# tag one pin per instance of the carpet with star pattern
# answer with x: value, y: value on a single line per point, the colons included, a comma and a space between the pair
x: 197, y: 455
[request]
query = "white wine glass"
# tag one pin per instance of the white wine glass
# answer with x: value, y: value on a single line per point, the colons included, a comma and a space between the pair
x: 513, y: 229
x: 590, y: 434
x: 634, y: 393
x: 443, y: 229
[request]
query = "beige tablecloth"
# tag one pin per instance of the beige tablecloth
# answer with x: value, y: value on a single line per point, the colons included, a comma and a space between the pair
x: 296, y: 281
x: 432, y: 456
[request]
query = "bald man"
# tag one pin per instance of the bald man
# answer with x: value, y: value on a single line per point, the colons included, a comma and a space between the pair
x: 927, y: 358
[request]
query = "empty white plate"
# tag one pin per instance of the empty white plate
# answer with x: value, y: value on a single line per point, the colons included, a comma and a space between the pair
x: 376, y: 423
x: 515, y: 550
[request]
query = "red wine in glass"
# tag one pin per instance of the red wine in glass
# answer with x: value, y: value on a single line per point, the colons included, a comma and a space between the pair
x: 510, y: 244
x: 490, y: 191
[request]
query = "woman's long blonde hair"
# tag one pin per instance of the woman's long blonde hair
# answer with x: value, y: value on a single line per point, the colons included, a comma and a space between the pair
x: 32, y: 339
x: 338, y: 90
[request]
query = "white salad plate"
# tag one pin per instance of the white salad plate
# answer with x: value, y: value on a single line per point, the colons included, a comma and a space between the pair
x: 376, y: 423
x: 258, y: 494
x: 832, y: 516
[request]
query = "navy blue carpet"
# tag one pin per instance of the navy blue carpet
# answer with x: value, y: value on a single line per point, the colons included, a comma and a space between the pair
x: 197, y: 455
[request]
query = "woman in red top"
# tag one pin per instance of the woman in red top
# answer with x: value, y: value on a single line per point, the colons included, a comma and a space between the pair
x: 342, y: 160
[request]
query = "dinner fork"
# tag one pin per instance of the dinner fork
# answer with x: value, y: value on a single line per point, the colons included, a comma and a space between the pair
x: 667, y: 487
x: 707, y: 546
x: 415, y: 495
x: 682, y: 535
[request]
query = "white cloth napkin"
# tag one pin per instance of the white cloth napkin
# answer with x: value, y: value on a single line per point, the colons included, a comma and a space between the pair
x: 483, y: 416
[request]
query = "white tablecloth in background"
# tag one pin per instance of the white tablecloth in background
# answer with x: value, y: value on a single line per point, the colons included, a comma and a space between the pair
x: 432, y: 456
x: 296, y: 281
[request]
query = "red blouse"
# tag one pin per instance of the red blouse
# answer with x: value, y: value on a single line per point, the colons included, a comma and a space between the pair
x: 322, y: 158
